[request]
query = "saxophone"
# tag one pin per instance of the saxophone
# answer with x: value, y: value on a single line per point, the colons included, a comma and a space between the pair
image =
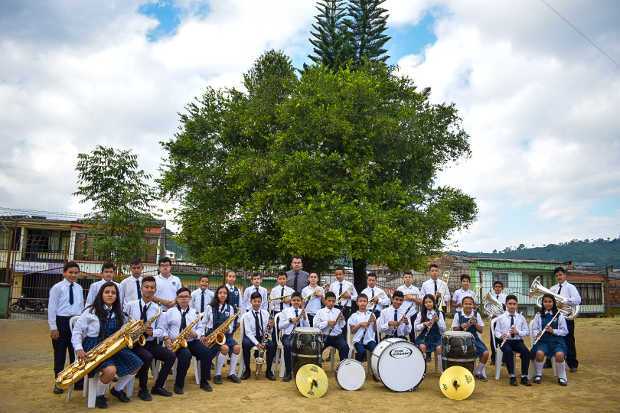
x: 218, y: 335
x: 260, y: 357
x: 129, y: 334
x: 181, y: 340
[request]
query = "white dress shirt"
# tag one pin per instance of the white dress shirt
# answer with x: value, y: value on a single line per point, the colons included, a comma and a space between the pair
x: 501, y: 297
x: 537, y: 326
x: 197, y: 299
x: 387, y: 315
x: 364, y: 335
x: 94, y: 288
x: 167, y: 287
x: 428, y: 287
x: 279, y: 291
x: 58, y: 304
x: 383, y: 300
x: 172, y: 325
x: 418, y: 325
x: 133, y: 313
x: 502, y: 325
x: 323, y: 316
x: 285, y: 324
x: 228, y: 311
x: 346, y: 286
x: 569, y: 291
x: 86, y: 326
x: 129, y: 289
x: 314, y: 304
x: 413, y: 290
x: 246, y: 304
x: 459, y: 294
x: 457, y: 324
x: 249, y: 324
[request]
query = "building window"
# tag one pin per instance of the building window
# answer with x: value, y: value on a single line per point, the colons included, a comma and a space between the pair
x: 591, y: 293
x: 5, y: 238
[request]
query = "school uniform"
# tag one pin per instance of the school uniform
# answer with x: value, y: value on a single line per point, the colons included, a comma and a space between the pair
x: 382, y: 302
x: 461, y: 318
x: 570, y: 292
x: 344, y: 304
x: 66, y: 299
x: 255, y: 326
x: 515, y: 343
x: 431, y: 287
x: 246, y: 304
x: 217, y: 315
x: 430, y: 338
x: 393, y: 314
x: 410, y: 290
x: 458, y: 296
x: 314, y: 304
x: 176, y: 320
x: 139, y: 310
x: 277, y: 303
x: 167, y: 287
x: 131, y: 289
x: 364, y: 338
x: 549, y: 343
x: 234, y: 296
x: 94, y: 288
x: 332, y: 335
x: 286, y: 326
x: 201, y: 299
x: 501, y: 297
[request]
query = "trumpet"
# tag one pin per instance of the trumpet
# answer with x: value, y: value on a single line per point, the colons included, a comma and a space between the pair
x: 279, y: 298
x: 374, y: 305
x: 440, y: 301
x: 315, y: 293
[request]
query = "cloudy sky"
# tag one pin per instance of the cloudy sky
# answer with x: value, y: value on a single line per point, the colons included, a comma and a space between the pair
x: 540, y: 102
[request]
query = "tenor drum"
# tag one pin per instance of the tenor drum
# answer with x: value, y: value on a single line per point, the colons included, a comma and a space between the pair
x: 306, y: 347
x: 459, y: 349
x: 350, y: 374
x: 398, y: 364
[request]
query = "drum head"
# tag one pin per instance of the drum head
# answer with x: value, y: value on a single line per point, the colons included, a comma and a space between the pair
x: 401, y: 366
x: 457, y: 334
x: 350, y: 374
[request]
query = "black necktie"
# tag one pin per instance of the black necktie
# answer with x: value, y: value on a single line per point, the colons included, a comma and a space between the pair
x: 138, y: 289
x: 282, y: 299
x: 560, y: 289
x: 395, y: 314
x: 435, y: 287
x: 183, y: 320
x: 256, y: 289
x: 512, y: 322
x: 295, y: 281
x: 71, y: 294
x: 372, y: 292
x: 202, y: 302
x: 296, y: 313
x: 143, y: 311
x: 497, y: 297
x: 258, y: 326
x: 340, y: 290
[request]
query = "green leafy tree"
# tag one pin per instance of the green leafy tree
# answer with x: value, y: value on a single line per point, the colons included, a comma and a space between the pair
x: 367, y: 25
x: 332, y: 45
x: 121, y: 195
x: 335, y: 163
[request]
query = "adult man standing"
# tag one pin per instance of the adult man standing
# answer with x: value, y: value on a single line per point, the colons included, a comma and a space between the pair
x: 573, y: 298
x: 296, y: 278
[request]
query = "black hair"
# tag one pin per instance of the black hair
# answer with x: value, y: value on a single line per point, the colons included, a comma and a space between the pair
x: 136, y: 261
x: 330, y: 294
x: 204, y: 276
x: 255, y: 275
x: 498, y: 282
x: 465, y: 277
x: 215, y: 303
x: 433, y: 265
x: 371, y: 274
x: 149, y: 278
x: 511, y: 297
x: 255, y: 295
x: 398, y: 293
x: 559, y: 269
x: 182, y: 290
x: 282, y: 273
x: 362, y: 295
x: 424, y: 311
x: 407, y: 273
x: 70, y: 264
x: 97, y: 308
x: 468, y: 297
x: 295, y: 257
x: 296, y: 294
x: 554, y: 309
x: 108, y: 265
x: 339, y: 268
x: 164, y: 260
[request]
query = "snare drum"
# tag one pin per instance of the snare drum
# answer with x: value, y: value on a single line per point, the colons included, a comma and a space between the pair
x: 306, y: 347
x: 350, y: 374
x: 398, y: 364
x: 459, y: 349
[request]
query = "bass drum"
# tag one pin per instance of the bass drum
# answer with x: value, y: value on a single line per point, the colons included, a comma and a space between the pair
x: 459, y: 349
x: 306, y: 347
x: 350, y: 374
x: 398, y: 364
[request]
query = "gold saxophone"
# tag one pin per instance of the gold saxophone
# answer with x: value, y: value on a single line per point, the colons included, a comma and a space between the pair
x: 129, y: 334
x: 218, y: 336
x: 181, y: 340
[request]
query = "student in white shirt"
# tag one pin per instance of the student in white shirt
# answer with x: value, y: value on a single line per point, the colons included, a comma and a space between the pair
x: 330, y: 321
x: 429, y: 325
x: 131, y: 287
x: 413, y: 296
x: 312, y: 295
x: 550, y: 331
x: 377, y: 298
x: 510, y: 329
x: 107, y: 274
x: 570, y: 292
x: 100, y: 320
x: 292, y: 317
x: 463, y: 292
x: 362, y: 324
x: 436, y: 287
x: 394, y: 320
x: 256, y: 287
x: 468, y: 319
x: 167, y: 285
x: 280, y: 295
x: 256, y: 324
x: 345, y: 291
x: 499, y: 295
x: 66, y: 299
x: 202, y: 296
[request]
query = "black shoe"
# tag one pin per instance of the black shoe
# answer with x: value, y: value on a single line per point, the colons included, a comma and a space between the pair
x: 493, y: 361
x: 79, y: 387
x: 217, y: 379
x: 119, y: 394
x: 161, y: 391
x: 287, y: 378
x: 234, y: 378
x: 58, y: 390
x: 573, y: 369
x: 562, y: 382
x: 145, y: 395
x: 178, y: 389
x: 525, y: 381
x: 270, y: 376
x: 245, y: 375
x: 513, y: 381
x: 481, y: 377
x: 206, y: 386
x: 537, y: 379
x: 101, y: 402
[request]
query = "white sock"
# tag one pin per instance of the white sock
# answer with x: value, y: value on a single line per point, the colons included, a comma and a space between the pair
x: 539, y: 367
x: 233, y: 364
x: 483, y: 370
x: 221, y: 359
x: 122, y: 382
x: 101, y: 388
x: 561, y: 367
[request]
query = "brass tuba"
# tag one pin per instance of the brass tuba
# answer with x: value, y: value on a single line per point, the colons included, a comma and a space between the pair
x: 537, y: 290
x: 181, y: 340
x: 218, y: 335
x: 492, y: 307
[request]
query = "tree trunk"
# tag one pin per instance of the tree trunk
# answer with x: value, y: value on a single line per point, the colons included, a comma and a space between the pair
x: 359, y: 274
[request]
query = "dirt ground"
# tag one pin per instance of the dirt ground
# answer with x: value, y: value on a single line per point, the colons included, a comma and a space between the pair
x: 26, y: 384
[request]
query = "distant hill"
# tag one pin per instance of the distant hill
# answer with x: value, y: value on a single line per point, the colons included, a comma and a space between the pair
x: 600, y: 252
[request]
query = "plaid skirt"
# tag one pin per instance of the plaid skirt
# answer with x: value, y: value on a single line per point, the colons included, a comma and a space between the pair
x: 125, y: 361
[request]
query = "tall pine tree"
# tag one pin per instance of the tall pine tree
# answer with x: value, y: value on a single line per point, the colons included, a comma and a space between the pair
x: 367, y: 25
x: 332, y: 44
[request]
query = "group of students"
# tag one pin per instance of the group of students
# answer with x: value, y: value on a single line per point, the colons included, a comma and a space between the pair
x: 409, y: 313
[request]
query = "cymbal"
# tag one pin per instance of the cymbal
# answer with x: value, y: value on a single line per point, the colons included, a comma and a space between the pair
x: 457, y: 383
x: 311, y: 381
